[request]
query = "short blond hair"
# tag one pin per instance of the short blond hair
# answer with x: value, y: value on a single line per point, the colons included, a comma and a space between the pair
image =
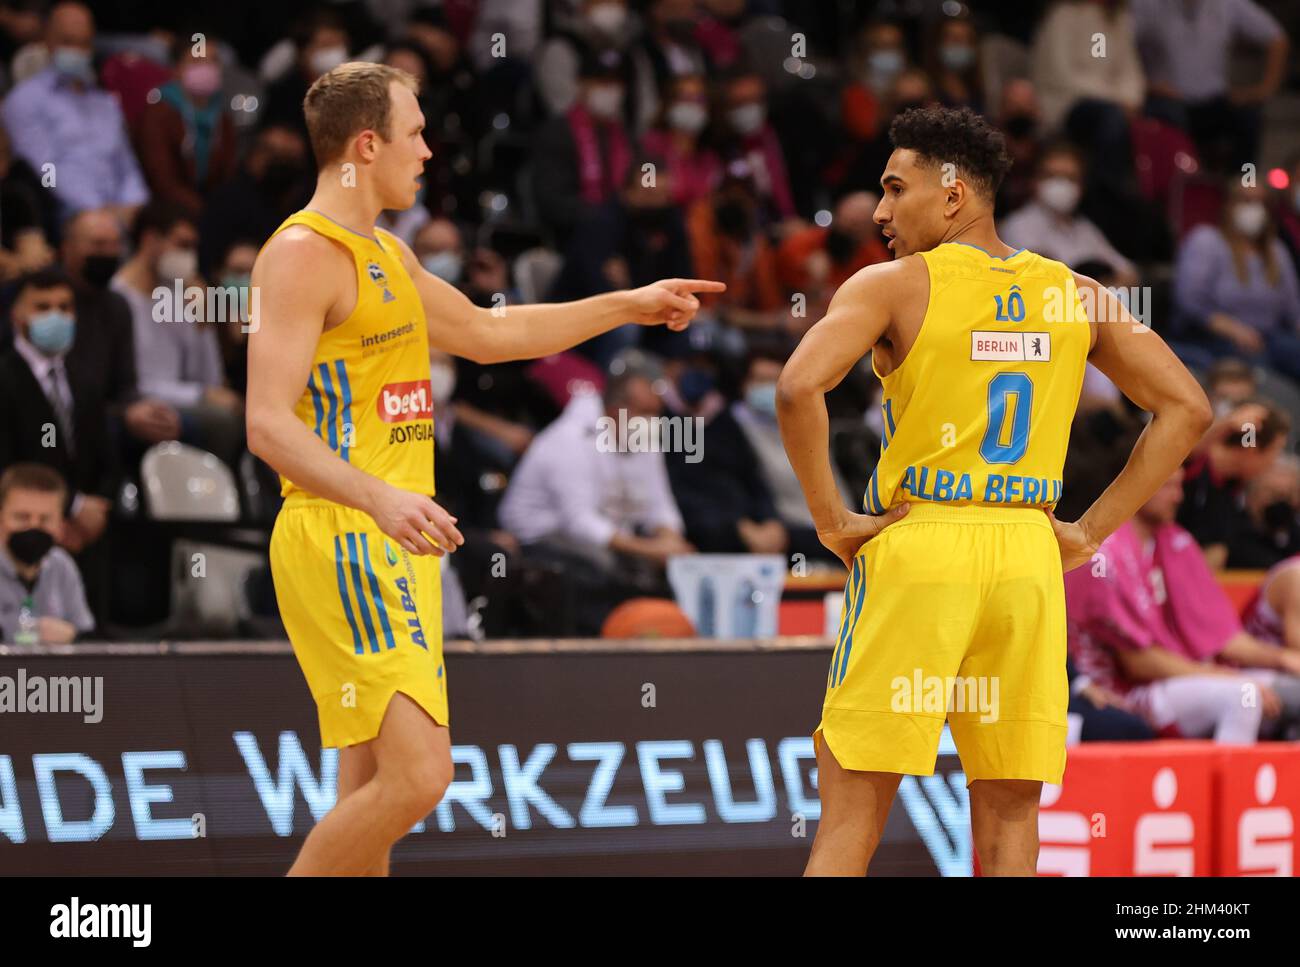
x: 347, y: 100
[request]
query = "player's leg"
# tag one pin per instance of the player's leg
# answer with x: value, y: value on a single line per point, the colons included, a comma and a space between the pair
x: 413, y: 770
x: 855, y: 806
x: 1004, y: 825
x: 357, y: 766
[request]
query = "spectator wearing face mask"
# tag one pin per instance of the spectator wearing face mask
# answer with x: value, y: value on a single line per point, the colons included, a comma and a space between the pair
x: 1051, y: 224
x: 881, y: 57
x: 747, y: 137
x: 234, y: 276
x: 1272, y: 530
x: 668, y: 47
x: 50, y: 411
x: 103, y: 354
x: 953, y: 63
x: 321, y: 42
x: 274, y: 182
x: 691, y: 169
x: 582, y: 157
x: 1237, y: 450
x: 1018, y: 119
x: 557, y: 68
x: 61, y: 117
x: 178, y: 356
x: 187, y: 138
x: 1235, y: 290
x: 42, y: 600
x: 816, y: 261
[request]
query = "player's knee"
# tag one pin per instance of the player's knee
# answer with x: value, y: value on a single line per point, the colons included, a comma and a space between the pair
x: 422, y: 788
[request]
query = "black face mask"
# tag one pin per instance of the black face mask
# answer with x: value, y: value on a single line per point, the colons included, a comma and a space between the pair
x: 279, y: 176
x: 734, y: 220
x: 840, y: 246
x: 29, y: 546
x: 1020, y: 126
x: 98, y: 269
x: 1279, y: 515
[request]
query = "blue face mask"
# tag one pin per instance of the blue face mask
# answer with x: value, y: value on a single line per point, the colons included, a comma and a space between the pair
x: 445, y: 265
x: 956, y: 57
x: 52, y: 332
x: 73, y: 63
x: 762, y: 398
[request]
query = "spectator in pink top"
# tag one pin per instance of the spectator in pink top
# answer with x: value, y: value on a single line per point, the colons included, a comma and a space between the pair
x: 693, y: 171
x: 1149, y: 622
x: 747, y: 136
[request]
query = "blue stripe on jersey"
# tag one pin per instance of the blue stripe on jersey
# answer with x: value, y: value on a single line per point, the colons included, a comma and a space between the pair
x: 316, y: 402
x: 889, y: 421
x: 327, y: 386
x: 355, y: 564
x: 376, y: 595
x: 343, y: 595
x: 857, y: 613
x: 845, y: 620
x: 348, y: 430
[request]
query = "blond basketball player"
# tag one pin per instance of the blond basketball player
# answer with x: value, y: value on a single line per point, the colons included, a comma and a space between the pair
x: 339, y: 404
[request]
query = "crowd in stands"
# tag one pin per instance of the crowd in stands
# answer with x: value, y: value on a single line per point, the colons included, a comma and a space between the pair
x: 581, y: 146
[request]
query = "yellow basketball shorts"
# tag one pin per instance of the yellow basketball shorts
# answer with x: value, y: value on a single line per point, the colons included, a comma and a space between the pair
x: 363, y: 615
x: 953, y: 613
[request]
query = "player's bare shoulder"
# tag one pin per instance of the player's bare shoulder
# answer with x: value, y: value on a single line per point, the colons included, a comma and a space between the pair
x: 897, y: 281
x: 302, y: 271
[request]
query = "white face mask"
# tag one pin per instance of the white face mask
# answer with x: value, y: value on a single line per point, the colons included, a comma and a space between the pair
x: 177, y: 263
x: 748, y: 118
x: 442, y: 382
x: 327, y: 58
x: 688, y: 117
x: 605, y: 101
x: 607, y: 18
x: 1061, y: 195
x: 1249, y: 218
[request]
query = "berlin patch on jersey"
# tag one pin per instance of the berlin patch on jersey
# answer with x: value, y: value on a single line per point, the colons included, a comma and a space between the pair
x: 1021, y: 346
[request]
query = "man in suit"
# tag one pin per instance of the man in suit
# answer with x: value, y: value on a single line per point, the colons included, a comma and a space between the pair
x: 51, y: 414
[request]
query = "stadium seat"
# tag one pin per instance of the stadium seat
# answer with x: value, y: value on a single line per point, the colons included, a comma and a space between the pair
x: 182, y: 482
x: 729, y: 595
x: 534, y: 271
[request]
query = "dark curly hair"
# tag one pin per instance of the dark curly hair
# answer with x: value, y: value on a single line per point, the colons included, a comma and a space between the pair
x: 941, y: 135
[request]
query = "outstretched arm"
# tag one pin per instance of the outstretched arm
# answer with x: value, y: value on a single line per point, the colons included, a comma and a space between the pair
x: 857, y: 317
x: 496, y: 335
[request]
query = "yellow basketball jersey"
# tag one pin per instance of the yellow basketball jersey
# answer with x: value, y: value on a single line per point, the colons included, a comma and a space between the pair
x: 979, y: 411
x: 368, y: 395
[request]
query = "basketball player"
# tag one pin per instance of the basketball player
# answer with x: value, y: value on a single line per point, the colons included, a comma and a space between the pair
x: 956, y: 566
x: 339, y: 403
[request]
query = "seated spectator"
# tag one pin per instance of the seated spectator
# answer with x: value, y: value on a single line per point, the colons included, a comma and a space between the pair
x: 607, y: 515
x: 235, y: 275
x: 669, y: 46
x: 187, y: 137
x: 755, y: 413
x: 598, y: 25
x: 1148, y: 621
x: 952, y: 60
x: 1274, y: 615
x: 1236, y: 292
x: 687, y: 167
x: 1228, y: 384
x: 103, y: 353
x: 35, y: 575
x: 178, y: 358
x: 1237, y: 449
x: 816, y: 261
x: 54, y: 411
x: 726, y: 244
x: 274, y: 182
x: 59, y: 117
x: 321, y: 43
x: 27, y: 226
x: 1104, y: 717
x: 1186, y: 50
x: 441, y: 250
x: 748, y: 137
x: 1019, y: 121
x: 1270, y: 530
x: 582, y: 157
x: 1051, y: 224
